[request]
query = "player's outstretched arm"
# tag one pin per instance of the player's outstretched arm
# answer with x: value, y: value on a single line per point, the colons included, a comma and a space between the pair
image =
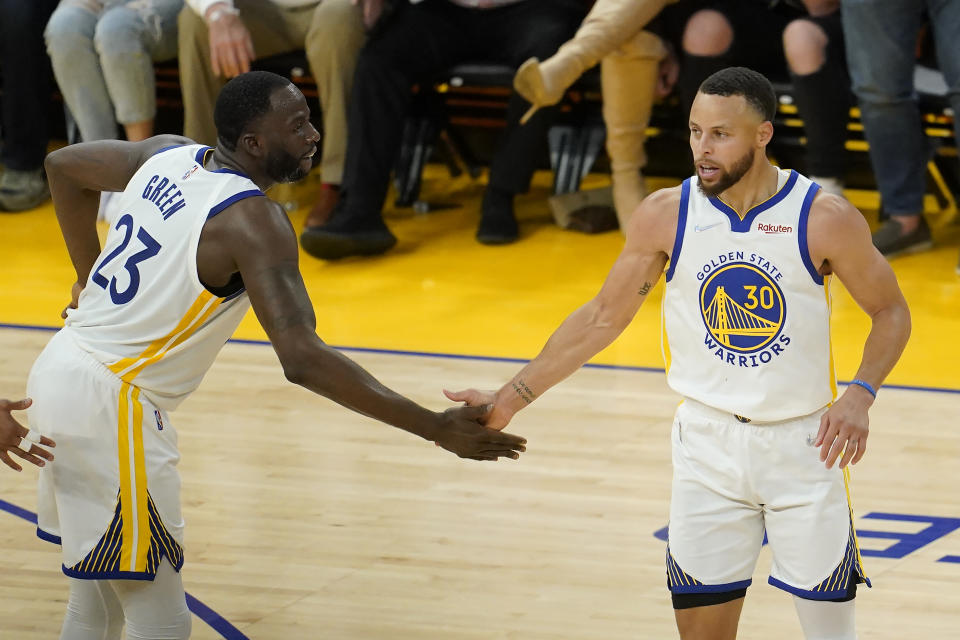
x: 16, y: 438
x: 78, y: 173
x: 263, y: 244
x: 839, y: 241
x: 592, y: 327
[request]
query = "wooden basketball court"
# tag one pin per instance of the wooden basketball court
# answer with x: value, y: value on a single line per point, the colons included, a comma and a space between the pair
x: 307, y: 521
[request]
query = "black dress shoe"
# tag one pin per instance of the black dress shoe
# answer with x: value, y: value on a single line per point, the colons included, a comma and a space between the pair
x: 333, y: 244
x: 497, y: 231
x: 498, y: 225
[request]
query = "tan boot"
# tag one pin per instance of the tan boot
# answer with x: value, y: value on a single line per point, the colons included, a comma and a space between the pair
x: 629, y: 81
x: 608, y: 26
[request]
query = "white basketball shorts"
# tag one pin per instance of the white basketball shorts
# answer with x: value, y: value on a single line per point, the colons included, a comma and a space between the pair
x: 111, y: 498
x: 733, y: 481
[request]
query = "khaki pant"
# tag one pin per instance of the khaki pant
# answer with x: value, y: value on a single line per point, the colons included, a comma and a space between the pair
x: 629, y: 80
x: 332, y: 34
x: 612, y: 34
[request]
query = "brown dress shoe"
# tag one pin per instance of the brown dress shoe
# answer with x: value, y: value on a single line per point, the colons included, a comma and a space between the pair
x: 323, y: 207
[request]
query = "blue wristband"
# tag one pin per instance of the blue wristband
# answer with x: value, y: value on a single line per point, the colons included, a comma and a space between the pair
x: 865, y: 385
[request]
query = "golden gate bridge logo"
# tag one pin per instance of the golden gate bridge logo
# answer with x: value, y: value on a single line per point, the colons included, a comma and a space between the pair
x: 742, y: 307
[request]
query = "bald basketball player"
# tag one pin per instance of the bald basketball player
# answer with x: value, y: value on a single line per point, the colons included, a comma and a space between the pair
x: 751, y: 251
x: 197, y: 243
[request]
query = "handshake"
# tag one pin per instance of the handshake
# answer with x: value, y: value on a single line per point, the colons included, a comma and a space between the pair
x: 474, y: 430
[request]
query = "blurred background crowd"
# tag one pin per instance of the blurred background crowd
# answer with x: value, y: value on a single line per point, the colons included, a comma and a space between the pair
x: 555, y: 83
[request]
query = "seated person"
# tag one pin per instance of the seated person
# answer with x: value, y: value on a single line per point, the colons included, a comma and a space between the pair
x: 27, y: 85
x: 220, y: 38
x: 419, y: 42
x: 882, y: 57
x: 804, y: 38
x: 103, y: 54
x: 636, y: 69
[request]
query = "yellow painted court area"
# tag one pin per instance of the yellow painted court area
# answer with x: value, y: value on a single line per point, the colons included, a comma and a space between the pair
x: 440, y: 291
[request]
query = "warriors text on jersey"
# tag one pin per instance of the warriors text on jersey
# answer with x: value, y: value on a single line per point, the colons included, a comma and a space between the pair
x: 746, y: 315
x: 144, y: 312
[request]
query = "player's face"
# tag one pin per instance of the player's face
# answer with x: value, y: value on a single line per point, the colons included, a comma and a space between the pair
x: 291, y: 139
x: 723, y: 139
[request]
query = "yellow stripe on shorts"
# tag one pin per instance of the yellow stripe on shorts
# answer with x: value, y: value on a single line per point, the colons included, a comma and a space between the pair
x: 135, y: 533
x: 140, y: 485
x: 134, y: 513
x: 126, y: 489
x: 853, y: 531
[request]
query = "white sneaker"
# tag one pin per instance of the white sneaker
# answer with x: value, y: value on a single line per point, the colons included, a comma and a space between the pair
x: 109, y: 207
x: 829, y: 185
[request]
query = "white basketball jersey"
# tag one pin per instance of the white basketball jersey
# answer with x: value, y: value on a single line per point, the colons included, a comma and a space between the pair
x: 144, y: 312
x: 746, y: 315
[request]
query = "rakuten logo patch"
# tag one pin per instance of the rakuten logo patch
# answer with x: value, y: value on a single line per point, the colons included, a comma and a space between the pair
x: 774, y: 228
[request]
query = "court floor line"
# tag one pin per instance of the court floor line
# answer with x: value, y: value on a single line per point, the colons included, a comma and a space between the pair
x: 464, y: 356
x: 217, y: 622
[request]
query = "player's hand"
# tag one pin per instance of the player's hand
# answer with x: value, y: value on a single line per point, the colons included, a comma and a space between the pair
x: 844, y: 428
x: 75, y: 292
x: 462, y: 432
x: 372, y: 10
x: 11, y: 437
x: 499, y: 416
x: 231, y: 48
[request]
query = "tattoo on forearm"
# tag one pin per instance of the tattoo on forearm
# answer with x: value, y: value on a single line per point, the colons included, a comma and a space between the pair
x: 645, y: 289
x: 523, y: 391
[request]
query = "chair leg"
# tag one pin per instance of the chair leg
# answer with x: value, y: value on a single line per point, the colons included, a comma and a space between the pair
x: 448, y: 154
x: 460, y: 148
x: 424, y: 133
x: 562, y: 139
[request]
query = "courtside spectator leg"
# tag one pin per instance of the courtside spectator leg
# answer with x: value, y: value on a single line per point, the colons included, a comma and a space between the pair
x: 629, y: 81
x: 27, y: 84
x: 881, y: 39
x: 818, y: 72
x: 514, y: 33
x: 334, y: 40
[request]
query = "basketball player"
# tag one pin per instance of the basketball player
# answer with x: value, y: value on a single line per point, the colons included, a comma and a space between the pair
x: 746, y: 316
x: 196, y: 244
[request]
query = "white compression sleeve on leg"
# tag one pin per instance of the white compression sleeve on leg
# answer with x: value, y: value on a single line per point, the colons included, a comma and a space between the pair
x: 156, y: 609
x: 824, y: 620
x: 93, y: 612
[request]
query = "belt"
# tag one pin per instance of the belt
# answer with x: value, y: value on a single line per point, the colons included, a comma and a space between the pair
x: 726, y: 415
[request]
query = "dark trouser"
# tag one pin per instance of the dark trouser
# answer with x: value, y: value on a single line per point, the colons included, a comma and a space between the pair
x: 27, y: 82
x: 423, y: 40
x: 823, y: 97
x: 881, y: 39
x: 823, y: 100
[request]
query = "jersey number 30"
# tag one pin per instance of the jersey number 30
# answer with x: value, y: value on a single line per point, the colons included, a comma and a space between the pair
x: 151, y: 248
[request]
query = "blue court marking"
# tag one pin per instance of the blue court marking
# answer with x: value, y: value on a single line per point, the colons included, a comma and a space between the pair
x: 202, y: 611
x: 906, y: 543
x: 463, y: 356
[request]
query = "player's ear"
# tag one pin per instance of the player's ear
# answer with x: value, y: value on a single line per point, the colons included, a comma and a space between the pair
x: 252, y: 144
x: 764, y: 133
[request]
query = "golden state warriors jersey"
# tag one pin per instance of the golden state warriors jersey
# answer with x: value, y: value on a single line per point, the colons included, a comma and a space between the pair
x: 144, y: 312
x: 746, y: 314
